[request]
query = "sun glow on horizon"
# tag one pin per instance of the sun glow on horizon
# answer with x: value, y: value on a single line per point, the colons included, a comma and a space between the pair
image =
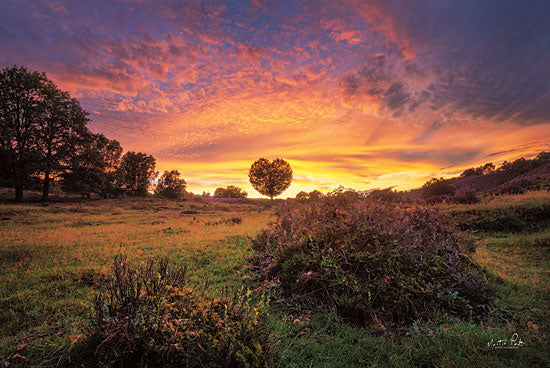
x: 359, y: 94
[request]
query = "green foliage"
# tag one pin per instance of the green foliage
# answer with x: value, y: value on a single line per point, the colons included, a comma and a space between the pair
x: 511, y: 218
x: 437, y: 188
x: 270, y: 178
x: 137, y: 170
x: 373, y: 263
x: 230, y: 191
x: 148, y: 316
x: 170, y: 185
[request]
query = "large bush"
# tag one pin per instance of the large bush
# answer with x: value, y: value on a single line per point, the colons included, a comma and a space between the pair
x: 230, y: 191
x: 436, y: 188
x: 147, y: 316
x: 374, y: 263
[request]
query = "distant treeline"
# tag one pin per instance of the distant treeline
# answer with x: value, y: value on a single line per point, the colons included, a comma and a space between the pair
x: 517, y: 167
x: 508, y: 178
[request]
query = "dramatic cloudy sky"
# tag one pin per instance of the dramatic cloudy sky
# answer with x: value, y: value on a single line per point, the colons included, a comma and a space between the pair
x: 367, y: 94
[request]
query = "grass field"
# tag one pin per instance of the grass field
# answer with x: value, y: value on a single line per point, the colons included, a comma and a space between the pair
x: 52, y: 256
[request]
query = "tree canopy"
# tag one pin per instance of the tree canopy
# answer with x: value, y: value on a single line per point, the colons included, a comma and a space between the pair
x: 230, y: 191
x: 137, y: 172
x: 270, y: 178
x: 22, y: 96
x: 170, y: 185
x: 39, y: 125
x: 44, y: 137
x: 437, y: 187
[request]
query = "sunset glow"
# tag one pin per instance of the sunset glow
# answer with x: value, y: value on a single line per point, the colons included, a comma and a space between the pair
x: 364, y: 94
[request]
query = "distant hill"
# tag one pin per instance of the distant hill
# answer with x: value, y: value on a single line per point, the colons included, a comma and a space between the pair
x: 511, y: 177
x: 517, y: 176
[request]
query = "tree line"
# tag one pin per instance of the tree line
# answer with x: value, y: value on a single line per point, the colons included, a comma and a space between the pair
x: 44, y: 138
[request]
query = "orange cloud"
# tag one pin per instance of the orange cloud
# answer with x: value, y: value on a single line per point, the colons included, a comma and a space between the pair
x: 346, y: 91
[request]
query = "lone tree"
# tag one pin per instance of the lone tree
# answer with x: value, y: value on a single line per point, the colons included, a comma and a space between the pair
x: 270, y: 178
x: 170, y: 185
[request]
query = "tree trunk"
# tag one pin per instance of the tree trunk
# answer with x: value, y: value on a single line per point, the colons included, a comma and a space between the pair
x: 46, y: 187
x: 18, y: 194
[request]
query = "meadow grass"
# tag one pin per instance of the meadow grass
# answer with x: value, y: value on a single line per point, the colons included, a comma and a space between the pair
x: 52, y: 257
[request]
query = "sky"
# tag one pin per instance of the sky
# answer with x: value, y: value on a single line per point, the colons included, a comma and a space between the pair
x: 364, y: 94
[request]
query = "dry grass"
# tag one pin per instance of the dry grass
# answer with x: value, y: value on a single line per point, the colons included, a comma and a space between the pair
x: 51, y: 257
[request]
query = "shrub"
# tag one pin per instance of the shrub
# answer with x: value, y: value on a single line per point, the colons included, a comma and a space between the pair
x: 311, y: 196
x: 387, y: 195
x: 441, y: 198
x: 467, y: 197
x: 372, y: 262
x: 480, y: 170
x: 437, y: 187
x: 230, y: 191
x: 147, y: 316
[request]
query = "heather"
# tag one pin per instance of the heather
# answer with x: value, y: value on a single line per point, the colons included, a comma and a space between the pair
x: 149, y: 315
x: 375, y: 264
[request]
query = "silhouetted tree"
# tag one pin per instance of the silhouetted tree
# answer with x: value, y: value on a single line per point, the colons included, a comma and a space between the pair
x: 110, y: 179
x: 517, y: 167
x: 311, y: 196
x: 542, y: 158
x: 387, y: 195
x: 39, y: 127
x: 22, y: 96
x: 230, y: 191
x: 302, y: 196
x: 270, y: 178
x: 170, y: 185
x: 93, y: 167
x: 481, y: 170
x: 137, y: 170
x: 63, y: 122
x: 437, y: 187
